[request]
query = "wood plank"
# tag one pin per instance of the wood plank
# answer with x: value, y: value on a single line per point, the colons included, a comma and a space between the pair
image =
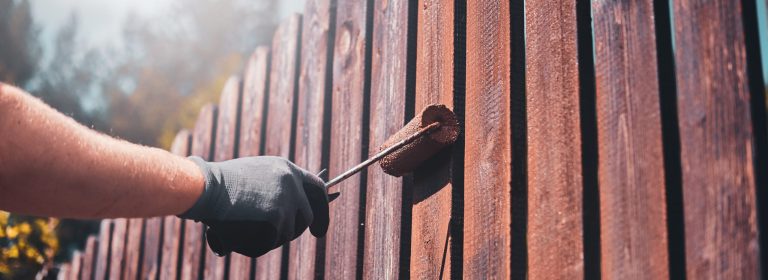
x: 194, y: 243
x: 64, y: 271
x: 117, y: 249
x: 133, y: 248
x: 280, y: 118
x: 341, y: 260
x: 89, y: 257
x: 432, y: 189
x: 151, y: 248
x: 172, y: 226
x: 226, y: 131
x: 101, y: 269
x: 631, y: 161
x: 311, y: 136
x: 716, y: 139
x: 555, y: 184
x: 384, y: 194
x: 76, y: 265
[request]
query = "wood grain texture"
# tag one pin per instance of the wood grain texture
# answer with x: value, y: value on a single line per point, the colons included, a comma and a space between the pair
x: 117, y: 249
x: 384, y: 194
x: 631, y: 161
x: 341, y: 260
x: 432, y: 190
x: 91, y: 249
x: 202, y: 146
x: 716, y: 141
x: 101, y: 267
x: 310, y: 134
x: 252, y: 107
x: 280, y: 117
x: 132, y: 248
x: 76, y: 265
x: 151, y: 248
x: 488, y: 167
x: 555, y: 184
x: 172, y: 226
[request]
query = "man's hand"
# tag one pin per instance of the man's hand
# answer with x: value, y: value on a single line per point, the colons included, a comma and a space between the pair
x: 255, y: 204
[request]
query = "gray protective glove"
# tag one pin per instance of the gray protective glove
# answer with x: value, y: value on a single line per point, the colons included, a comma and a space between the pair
x: 255, y: 204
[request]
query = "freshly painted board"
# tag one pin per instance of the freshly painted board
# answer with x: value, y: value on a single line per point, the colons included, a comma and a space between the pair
x: 716, y: 141
x: 226, y: 131
x: 172, y: 226
x: 132, y: 248
x: 384, y: 193
x: 555, y: 230
x: 311, y: 135
x: 91, y: 248
x: 432, y: 190
x: 342, y: 240
x: 117, y: 249
x: 280, y: 115
x: 101, y: 267
x: 151, y: 248
x: 202, y: 146
x: 633, y: 231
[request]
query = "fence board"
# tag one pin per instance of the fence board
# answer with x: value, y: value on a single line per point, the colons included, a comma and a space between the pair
x: 151, y: 248
x: 432, y: 190
x: 117, y: 249
x: 488, y: 167
x: 716, y: 141
x: 555, y: 246
x: 76, y: 265
x: 132, y: 248
x: 342, y: 241
x: 384, y: 193
x: 64, y: 271
x: 172, y: 226
x: 194, y: 243
x: 280, y: 116
x: 102, y: 255
x: 91, y: 247
x: 311, y: 131
x: 631, y: 160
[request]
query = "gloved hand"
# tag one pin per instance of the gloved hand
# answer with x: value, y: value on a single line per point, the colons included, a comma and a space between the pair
x: 255, y: 204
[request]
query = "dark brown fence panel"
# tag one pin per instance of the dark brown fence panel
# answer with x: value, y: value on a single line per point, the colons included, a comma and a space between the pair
x: 280, y: 116
x: 172, y: 226
x: 91, y: 247
x: 202, y: 146
x: 384, y: 193
x: 631, y: 160
x: 716, y: 141
x: 555, y: 247
x: 101, y: 267
x: 432, y: 189
x: 343, y: 239
x: 311, y: 132
x: 132, y: 248
x: 117, y: 249
x: 151, y: 248
x: 488, y: 159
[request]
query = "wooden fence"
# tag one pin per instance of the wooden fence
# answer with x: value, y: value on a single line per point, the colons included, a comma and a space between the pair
x: 613, y: 138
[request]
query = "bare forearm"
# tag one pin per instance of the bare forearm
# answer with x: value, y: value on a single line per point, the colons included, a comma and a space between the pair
x: 52, y: 166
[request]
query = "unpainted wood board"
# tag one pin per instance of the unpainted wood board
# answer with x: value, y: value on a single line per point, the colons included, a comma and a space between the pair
x: 132, y: 248
x: 102, y: 253
x: 117, y: 250
x: 310, y: 119
x: 91, y: 249
x: 64, y: 271
x: 716, y: 139
x: 76, y: 265
x: 488, y: 153
x: 151, y: 248
x: 282, y: 88
x: 171, y: 224
x: 341, y: 257
x: 384, y: 194
x: 432, y: 189
x: 631, y: 161
x: 254, y: 94
x: 194, y: 244
x: 555, y: 184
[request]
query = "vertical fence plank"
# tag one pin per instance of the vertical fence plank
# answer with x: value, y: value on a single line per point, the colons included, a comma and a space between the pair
x: 555, y: 246
x: 342, y: 241
x: 91, y: 248
x: 488, y: 167
x: 631, y: 161
x: 252, y: 110
x: 384, y: 193
x: 194, y: 243
x: 117, y: 249
x: 76, y: 265
x: 226, y: 131
x: 132, y: 248
x: 172, y: 226
x: 64, y: 271
x: 151, y: 248
x: 716, y: 141
x: 102, y: 255
x: 432, y: 189
x: 281, y: 117
x: 311, y: 135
